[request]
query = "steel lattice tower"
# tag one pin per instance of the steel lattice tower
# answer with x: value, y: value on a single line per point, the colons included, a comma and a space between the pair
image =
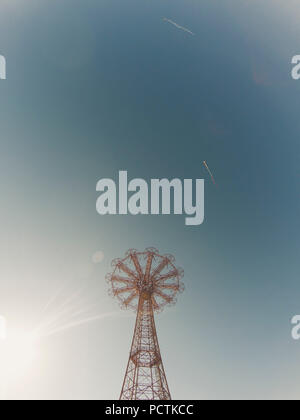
x: 145, y: 282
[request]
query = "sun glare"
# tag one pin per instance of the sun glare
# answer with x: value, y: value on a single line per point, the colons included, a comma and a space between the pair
x: 17, y: 353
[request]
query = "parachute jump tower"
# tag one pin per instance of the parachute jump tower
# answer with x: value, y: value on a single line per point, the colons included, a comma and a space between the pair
x: 145, y: 282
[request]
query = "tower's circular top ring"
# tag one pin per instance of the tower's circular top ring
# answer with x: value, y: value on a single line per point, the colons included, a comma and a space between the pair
x: 147, y: 274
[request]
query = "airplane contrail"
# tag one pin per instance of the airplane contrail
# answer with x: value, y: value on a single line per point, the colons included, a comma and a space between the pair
x: 178, y: 26
x: 209, y: 171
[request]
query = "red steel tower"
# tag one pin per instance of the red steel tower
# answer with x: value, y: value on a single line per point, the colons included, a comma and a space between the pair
x: 145, y: 282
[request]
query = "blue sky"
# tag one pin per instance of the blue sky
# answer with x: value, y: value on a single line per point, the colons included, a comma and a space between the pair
x: 94, y: 87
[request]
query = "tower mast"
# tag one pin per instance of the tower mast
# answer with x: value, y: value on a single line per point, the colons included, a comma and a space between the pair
x: 145, y: 377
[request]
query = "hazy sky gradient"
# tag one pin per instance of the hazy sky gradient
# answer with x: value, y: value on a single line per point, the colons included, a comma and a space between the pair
x: 94, y: 87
